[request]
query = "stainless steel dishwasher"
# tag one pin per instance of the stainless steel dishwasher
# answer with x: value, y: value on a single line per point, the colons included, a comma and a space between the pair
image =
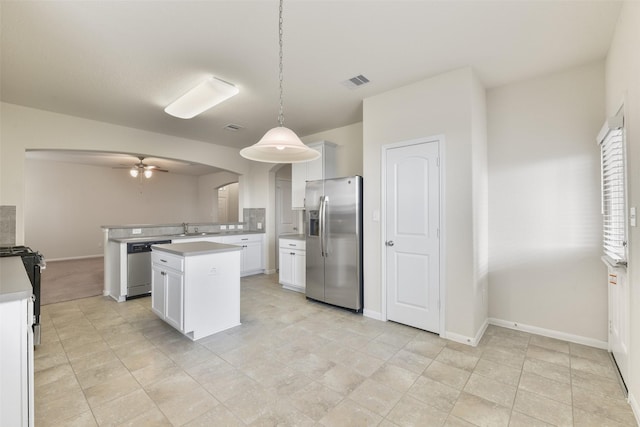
x: 139, y: 268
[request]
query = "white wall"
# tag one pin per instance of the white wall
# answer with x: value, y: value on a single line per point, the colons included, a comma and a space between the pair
x: 208, y: 195
x: 349, y: 150
x: 623, y: 83
x: 544, y: 186
x: 442, y: 105
x: 27, y: 128
x: 67, y: 203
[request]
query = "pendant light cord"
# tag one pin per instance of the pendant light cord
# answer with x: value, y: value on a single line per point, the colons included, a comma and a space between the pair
x: 281, y: 75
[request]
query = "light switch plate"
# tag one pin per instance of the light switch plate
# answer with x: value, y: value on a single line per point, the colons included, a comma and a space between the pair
x: 223, y: 227
x: 136, y: 231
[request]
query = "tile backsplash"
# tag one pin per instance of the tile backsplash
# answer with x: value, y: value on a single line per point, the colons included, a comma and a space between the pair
x: 7, y: 225
x: 254, y: 218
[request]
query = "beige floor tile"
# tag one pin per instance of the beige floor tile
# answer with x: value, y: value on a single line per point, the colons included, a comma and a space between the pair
x: 615, y: 409
x: 316, y: 400
x: 397, y: 378
x: 412, y: 412
x: 449, y: 375
x: 84, y: 419
x: 522, y: 420
x: 341, y: 379
x: 590, y: 419
x: 503, y: 373
x: 548, y: 370
x: 349, y: 413
x: 552, y: 356
x: 298, y: 362
x: 219, y: 415
x: 544, y: 409
x: 411, y: 361
x: 453, y: 421
x: 375, y: 396
x: 490, y: 389
x: 123, y: 409
x: 434, y: 393
x: 457, y: 359
x: 601, y: 368
x: 504, y: 356
x: 603, y: 386
x: 104, y: 372
x: 555, y: 390
x: 106, y: 391
x: 550, y: 343
x: 480, y: 412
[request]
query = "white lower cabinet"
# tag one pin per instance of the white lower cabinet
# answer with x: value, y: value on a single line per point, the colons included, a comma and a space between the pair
x: 16, y: 367
x: 292, y: 266
x: 252, y: 258
x: 197, y: 295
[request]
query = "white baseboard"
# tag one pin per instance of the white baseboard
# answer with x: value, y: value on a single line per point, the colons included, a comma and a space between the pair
x: 635, y: 406
x: 74, y: 258
x: 462, y: 339
x: 578, y: 339
x: 372, y: 314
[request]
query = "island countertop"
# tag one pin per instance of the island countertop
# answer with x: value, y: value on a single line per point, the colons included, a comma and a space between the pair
x: 195, y: 248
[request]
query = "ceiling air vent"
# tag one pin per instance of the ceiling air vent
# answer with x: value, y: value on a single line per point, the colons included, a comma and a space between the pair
x: 232, y: 127
x: 356, y: 81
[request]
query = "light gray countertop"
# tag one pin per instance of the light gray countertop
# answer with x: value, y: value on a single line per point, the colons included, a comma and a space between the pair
x: 14, y: 281
x: 292, y: 236
x: 177, y: 237
x: 195, y: 248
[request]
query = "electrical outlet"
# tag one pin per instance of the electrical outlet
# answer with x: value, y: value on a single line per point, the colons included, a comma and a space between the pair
x: 223, y: 227
x: 136, y: 231
x: 259, y: 226
x: 232, y: 227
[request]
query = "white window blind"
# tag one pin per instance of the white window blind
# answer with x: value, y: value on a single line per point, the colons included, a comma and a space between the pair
x: 613, y: 190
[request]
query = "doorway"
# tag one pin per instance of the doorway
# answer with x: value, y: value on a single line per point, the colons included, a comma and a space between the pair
x: 228, y: 203
x: 411, y: 255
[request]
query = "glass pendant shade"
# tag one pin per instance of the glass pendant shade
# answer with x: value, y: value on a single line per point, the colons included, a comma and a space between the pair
x: 133, y: 172
x: 148, y: 173
x: 279, y: 145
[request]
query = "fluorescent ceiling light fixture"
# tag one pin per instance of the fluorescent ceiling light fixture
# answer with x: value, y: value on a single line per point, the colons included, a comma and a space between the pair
x: 280, y: 144
x: 202, y: 97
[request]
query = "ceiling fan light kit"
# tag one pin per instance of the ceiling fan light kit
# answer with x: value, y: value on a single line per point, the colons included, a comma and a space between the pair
x: 280, y: 144
x: 207, y: 94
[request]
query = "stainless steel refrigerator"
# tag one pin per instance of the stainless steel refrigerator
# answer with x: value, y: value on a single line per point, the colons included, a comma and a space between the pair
x: 333, y: 229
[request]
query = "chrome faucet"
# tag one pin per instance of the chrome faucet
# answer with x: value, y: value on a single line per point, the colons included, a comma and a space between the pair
x: 185, y: 227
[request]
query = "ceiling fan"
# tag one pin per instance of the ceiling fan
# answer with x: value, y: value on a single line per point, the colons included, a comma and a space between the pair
x: 143, y: 169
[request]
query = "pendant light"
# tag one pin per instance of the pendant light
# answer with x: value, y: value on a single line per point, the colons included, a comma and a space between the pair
x: 280, y: 144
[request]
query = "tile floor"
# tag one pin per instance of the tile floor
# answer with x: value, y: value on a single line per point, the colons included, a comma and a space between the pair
x: 299, y: 363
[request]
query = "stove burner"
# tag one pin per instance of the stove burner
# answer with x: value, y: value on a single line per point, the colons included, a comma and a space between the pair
x: 15, y: 251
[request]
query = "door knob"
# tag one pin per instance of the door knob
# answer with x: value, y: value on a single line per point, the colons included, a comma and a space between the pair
x: 389, y: 243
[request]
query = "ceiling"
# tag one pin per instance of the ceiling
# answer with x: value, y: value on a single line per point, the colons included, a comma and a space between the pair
x: 122, y: 62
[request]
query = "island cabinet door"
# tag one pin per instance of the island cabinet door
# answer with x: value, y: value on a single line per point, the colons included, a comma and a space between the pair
x: 174, y: 314
x: 158, y: 296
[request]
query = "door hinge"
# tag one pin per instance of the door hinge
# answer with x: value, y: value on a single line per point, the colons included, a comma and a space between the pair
x: 438, y: 161
x: 438, y: 232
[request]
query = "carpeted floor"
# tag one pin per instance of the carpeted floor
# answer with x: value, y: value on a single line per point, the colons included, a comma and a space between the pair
x: 72, y: 279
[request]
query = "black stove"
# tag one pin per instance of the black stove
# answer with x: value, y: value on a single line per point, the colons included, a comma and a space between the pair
x: 33, y: 263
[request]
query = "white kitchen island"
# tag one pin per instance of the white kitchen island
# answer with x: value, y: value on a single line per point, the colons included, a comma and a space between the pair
x: 195, y: 286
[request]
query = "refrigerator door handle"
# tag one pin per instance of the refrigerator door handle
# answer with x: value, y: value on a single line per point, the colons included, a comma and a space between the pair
x: 325, y: 247
x: 321, y: 225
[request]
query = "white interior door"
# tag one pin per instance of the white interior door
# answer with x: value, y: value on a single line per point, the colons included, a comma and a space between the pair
x: 412, y: 235
x: 619, y: 319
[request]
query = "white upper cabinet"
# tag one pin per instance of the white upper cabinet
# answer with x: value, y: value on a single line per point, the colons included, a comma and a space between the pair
x: 322, y: 168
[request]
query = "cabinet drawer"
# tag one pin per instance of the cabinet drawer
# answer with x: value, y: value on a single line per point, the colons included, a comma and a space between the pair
x: 242, y: 239
x: 292, y: 244
x: 168, y: 260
